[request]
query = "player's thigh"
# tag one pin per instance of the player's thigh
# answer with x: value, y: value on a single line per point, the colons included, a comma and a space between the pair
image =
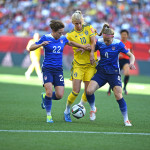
x: 48, y: 88
x: 59, y: 91
x: 76, y: 85
x: 92, y: 87
x: 97, y: 81
x: 89, y: 73
x: 126, y: 69
x: 100, y: 78
x: 86, y: 83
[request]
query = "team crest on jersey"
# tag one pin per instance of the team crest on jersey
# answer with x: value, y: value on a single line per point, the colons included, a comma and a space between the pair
x: 113, y: 48
x: 45, y: 77
x: 81, y: 34
x: 61, y: 41
x: 86, y: 32
x: 75, y: 74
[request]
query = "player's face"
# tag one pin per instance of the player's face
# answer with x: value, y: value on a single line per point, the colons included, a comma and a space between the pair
x: 107, y: 40
x: 124, y: 36
x: 78, y: 25
x: 58, y: 33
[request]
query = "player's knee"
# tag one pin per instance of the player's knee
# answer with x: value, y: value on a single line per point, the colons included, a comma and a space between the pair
x: 89, y: 91
x: 59, y: 96
x: 118, y: 95
x: 49, y: 94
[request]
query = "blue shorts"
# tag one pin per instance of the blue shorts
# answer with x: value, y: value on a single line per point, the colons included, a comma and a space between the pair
x: 112, y: 79
x: 53, y: 75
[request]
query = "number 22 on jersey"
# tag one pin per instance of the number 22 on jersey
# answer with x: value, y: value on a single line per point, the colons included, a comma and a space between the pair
x: 56, y: 49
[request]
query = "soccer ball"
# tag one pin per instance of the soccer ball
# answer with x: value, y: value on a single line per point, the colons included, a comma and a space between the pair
x: 78, y: 111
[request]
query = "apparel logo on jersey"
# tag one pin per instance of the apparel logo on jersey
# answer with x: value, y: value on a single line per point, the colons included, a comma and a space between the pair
x: 113, y: 48
x: 45, y: 77
x: 61, y: 41
x: 92, y: 30
x: 75, y: 74
x: 76, y: 36
x: 86, y: 32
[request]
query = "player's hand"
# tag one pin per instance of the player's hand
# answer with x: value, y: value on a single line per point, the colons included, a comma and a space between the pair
x: 80, y: 49
x: 87, y: 47
x: 92, y: 60
x: 44, y: 43
x: 132, y: 67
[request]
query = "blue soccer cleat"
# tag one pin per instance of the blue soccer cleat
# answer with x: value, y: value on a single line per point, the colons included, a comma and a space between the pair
x: 49, y: 119
x: 43, y: 99
x: 67, y: 117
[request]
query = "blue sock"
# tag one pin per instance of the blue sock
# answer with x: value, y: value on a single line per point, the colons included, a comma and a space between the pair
x: 48, y: 104
x: 91, y: 100
x: 123, y: 108
x: 54, y: 97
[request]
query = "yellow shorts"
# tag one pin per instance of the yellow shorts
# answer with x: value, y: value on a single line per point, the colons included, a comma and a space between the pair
x: 34, y: 56
x: 82, y: 72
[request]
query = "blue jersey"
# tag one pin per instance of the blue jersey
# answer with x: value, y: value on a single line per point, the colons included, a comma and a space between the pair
x: 53, y: 52
x: 109, y: 55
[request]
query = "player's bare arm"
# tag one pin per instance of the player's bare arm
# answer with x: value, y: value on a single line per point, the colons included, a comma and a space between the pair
x: 35, y: 46
x: 71, y: 43
x: 132, y: 60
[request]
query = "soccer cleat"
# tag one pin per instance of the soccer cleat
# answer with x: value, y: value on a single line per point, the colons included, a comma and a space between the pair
x: 43, y: 99
x: 67, y: 117
x: 127, y: 123
x: 49, y: 119
x: 93, y: 115
x: 27, y: 75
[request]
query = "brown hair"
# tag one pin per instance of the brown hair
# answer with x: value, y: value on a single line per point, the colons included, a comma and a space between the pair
x: 106, y: 30
x: 55, y: 25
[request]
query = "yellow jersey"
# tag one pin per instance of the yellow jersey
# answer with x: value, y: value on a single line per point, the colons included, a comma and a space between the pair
x: 82, y: 37
x: 37, y: 52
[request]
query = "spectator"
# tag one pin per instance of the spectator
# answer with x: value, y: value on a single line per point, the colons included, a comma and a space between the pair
x: 131, y: 15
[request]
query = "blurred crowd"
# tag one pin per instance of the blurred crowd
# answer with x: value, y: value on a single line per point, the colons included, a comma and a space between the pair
x: 25, y: 17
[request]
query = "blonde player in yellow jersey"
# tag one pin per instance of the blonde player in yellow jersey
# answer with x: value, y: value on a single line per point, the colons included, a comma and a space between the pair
x: 83, y: 65
x: 35, y: 58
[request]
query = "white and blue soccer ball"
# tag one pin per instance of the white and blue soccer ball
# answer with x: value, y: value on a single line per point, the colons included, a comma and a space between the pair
x: 78, y: 111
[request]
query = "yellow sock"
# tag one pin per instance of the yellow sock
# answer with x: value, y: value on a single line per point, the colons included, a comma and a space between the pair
x: 71, y: 98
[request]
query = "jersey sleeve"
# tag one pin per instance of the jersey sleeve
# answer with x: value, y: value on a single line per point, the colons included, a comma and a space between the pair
x: 66, y: 40
x: 68, y: 36
x: 123, y: 48
x: 40, y: 40
x: 91, y: 31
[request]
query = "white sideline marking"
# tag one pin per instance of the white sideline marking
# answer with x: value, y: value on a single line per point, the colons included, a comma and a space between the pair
x: 89, y: 132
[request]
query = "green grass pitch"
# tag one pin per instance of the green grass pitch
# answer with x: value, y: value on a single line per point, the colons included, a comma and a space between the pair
x: 23, y: 123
